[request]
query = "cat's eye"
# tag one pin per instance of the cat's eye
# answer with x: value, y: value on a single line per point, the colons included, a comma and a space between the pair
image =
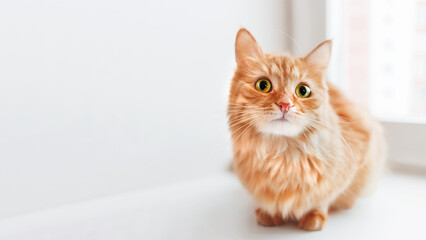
x: 303, y: 91
x: 263, y: 85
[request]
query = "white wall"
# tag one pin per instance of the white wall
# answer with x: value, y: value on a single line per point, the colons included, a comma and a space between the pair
x: 101, y: 97
x: 308, y: 24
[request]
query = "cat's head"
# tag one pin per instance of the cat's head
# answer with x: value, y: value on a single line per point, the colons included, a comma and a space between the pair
x: 280, y: 95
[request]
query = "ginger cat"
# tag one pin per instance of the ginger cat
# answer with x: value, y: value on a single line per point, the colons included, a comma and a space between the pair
x: 301, y: 148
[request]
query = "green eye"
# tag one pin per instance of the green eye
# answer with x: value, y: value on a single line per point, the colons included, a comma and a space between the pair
x: 303, y: 91
x: 263, y: 85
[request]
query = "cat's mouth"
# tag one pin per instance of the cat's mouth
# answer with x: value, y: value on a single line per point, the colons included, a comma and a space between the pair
x: 283, y: 118
x: 282, y: 124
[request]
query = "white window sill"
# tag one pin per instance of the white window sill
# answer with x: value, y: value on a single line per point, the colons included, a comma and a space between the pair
x: 219, y: 208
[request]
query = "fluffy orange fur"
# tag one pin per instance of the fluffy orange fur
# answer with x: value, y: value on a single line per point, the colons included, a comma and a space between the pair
x: 301, y: 164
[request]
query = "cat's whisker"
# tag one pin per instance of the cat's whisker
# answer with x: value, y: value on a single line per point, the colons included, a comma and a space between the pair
x: 249, y: 108
x: 323, y: 125
x: 248, y: 126
x: 350, y: 120
x: 245, y: 105
x: 337, y: 134
x: 332, y: 131
x: 243, y: 129
x: 292, y: 39
x: 238, y: 121
x: 320, y: 146
x: 250, y: 120
x: 244, y: 112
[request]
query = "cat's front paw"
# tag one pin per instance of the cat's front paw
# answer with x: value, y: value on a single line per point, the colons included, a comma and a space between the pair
x: 313, y: 221
x: 265, y: 219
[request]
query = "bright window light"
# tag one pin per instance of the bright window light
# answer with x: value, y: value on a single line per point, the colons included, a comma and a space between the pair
x: 383, y: 56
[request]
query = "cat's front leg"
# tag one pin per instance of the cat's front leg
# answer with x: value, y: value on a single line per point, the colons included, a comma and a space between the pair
x: 265, y: 219
x: 314, y: 220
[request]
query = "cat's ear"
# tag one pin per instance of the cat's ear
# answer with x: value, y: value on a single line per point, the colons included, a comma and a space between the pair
x: 320, y: 56
x: 246, y: 47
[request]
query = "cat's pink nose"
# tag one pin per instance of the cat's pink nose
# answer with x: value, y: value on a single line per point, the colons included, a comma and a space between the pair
x: 284, y: 107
